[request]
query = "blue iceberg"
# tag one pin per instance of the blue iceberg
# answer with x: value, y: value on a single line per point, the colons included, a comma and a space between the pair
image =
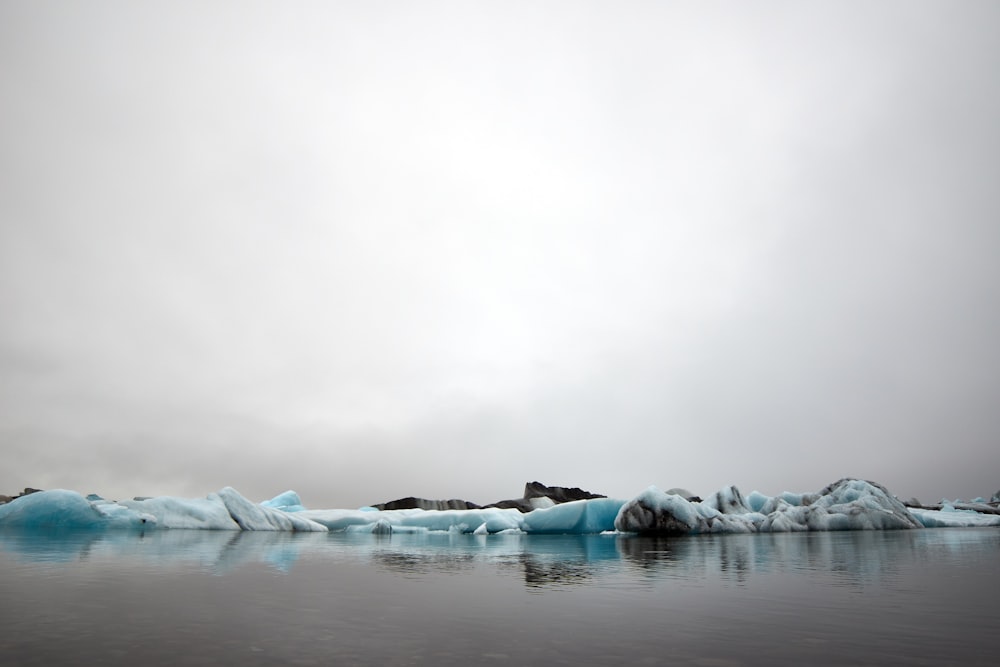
x: 225, y: 510
x: 848, y: 504
x: 62, y: 509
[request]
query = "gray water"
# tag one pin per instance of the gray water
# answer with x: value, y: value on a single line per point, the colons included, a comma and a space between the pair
x: 923, y: 597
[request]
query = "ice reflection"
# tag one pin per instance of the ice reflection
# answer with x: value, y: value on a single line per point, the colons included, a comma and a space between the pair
x: 217, y: 551
x: 547, y: 561
x: 853, y: 559
x: 421, y: 563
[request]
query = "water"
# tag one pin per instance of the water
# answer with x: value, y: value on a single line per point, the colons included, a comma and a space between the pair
x: 925, y: 597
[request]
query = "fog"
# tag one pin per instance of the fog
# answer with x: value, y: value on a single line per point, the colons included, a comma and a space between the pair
x: 377, y: 249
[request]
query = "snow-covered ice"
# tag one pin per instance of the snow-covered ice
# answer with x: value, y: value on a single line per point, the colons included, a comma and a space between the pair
x: 849, y: 504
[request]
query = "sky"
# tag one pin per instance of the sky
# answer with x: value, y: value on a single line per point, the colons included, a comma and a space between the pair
x: 367, y: 250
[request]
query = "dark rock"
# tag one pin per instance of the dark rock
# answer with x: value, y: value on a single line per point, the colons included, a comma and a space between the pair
x: 411, y: 503
x: 558, y: 494
x: 534, y: 490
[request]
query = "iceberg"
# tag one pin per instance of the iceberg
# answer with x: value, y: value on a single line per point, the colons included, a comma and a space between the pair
x: 655, y: 512
x: 62, y: 509
x: 419, y: 520
x: 225, y: 510
x: 848, y: 504
x: 951, y: 517
x: 574, y: 517
x: 208, y: 513
x: 578, y: 516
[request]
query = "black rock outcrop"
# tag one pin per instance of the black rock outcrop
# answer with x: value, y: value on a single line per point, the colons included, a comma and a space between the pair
x: 411, y: 503
x: 532, y: 490
x: 558, y: 494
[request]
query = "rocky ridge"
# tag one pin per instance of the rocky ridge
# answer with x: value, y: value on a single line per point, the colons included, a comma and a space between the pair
x: 536, y: 495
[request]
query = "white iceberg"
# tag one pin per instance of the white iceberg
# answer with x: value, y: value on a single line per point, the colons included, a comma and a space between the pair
x: 208, y: 513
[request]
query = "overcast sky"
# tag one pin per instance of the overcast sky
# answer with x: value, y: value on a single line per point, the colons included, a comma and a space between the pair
x: 366, y: 250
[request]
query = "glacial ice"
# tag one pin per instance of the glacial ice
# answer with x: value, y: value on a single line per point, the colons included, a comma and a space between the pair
x: 257, y: 517
x: 60, y: 508
x: 208, y: 513
x: 579, y: 516
x: 288, y: 501
x: 463, y: 521
x: 225, y: 510
x: 949, y: 517
x: 849, y: 504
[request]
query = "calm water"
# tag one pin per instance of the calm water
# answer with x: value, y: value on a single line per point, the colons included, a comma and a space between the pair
x: 926, y: 597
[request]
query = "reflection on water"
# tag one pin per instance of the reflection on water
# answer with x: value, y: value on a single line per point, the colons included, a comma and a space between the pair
x: 854, y: 558
x: 857, y: 557
x: 422, y: 563
x: 204, y: 597
x: 216, y: 550
x: 553, y: 561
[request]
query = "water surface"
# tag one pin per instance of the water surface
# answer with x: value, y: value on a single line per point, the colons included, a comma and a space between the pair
x: 923, y: 597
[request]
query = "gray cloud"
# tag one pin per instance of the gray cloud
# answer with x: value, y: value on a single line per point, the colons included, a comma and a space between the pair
x: 440, y: 249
